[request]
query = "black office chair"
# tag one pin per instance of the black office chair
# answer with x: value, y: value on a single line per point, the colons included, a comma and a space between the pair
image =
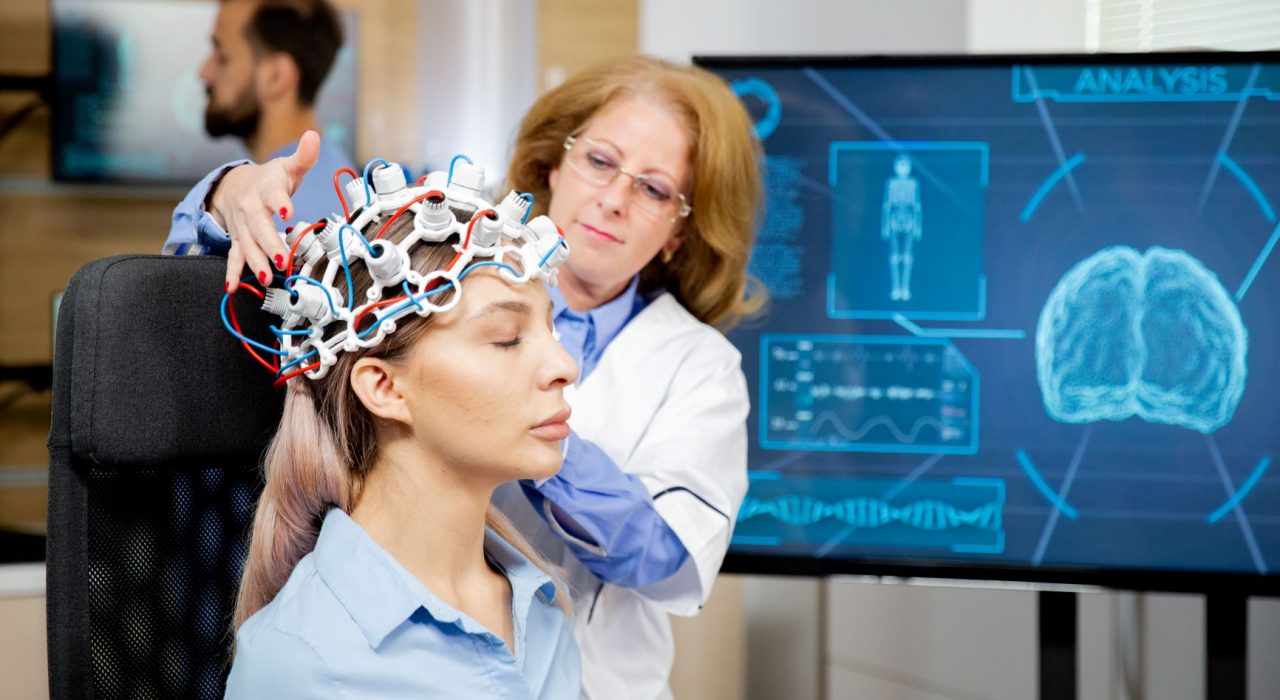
x: 159, y: 424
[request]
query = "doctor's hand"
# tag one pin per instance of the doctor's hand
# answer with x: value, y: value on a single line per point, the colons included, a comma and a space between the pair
x: 245, y: 201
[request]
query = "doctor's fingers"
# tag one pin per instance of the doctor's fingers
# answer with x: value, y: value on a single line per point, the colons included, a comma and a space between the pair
x: 260, y: 218
x: 245, y: 233
x: 235, y: 267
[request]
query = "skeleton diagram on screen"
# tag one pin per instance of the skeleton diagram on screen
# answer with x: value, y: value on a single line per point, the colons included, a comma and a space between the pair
x: 901, y: 225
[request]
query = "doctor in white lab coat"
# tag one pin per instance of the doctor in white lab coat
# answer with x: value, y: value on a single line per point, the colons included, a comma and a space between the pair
x: 651, y: 170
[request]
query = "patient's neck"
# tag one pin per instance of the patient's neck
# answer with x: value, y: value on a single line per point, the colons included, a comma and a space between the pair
x: 429, y: 519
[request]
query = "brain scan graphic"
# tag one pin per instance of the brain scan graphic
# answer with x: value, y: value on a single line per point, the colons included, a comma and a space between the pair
x: 1150, y: 334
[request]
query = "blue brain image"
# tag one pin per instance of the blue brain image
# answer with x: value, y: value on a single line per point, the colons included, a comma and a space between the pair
x: 1148, y: 334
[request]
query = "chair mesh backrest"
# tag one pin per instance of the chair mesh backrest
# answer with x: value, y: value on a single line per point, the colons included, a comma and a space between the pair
x: 165, y: 554
x: 159, y: 423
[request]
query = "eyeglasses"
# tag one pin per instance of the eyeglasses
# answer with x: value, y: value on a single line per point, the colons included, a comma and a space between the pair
x: 597, y: 163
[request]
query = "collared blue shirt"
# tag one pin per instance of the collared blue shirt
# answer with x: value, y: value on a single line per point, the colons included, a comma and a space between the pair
x: 194, y: 232
x: 352, y: 622
x: 605, y: 516
x: 586, y: 334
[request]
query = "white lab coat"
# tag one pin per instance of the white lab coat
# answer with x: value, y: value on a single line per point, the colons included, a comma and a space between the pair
x: 668, y: 403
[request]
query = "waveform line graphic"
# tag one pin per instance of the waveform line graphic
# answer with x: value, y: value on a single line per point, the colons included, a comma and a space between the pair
x: 896, y: 394
x: 905, y: 438
x: 867, y: 512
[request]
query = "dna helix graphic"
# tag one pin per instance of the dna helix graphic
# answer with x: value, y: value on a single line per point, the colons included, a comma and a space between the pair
x: 865, y: 512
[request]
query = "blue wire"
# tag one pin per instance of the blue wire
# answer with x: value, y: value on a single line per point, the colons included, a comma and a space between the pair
x: 231, y: 329
x: 281, y: 332
x: 488, y: 263
x: 547, y: 257
x: 368, y: 193
x: 409, y: 293
x: 346, y: 269
x: 528, y: 197
x: 412, y: 302
x: 367, y: 245
x: 296, y: 362
x: 332, y: 308
x: 451, y: 164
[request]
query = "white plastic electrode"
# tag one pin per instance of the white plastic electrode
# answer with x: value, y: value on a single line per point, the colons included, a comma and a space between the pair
x: 388, y: 263
x: 311, y: 301
x: 467, y: 177
x: 486, y: 232
x: 308, y: 251
x: 542, y: 227
x: 390, y: 185
x: 434, y: 220
x: 276, y: 301
x: 355, y: 193
x: 388, y: 179
x: 514, y: 207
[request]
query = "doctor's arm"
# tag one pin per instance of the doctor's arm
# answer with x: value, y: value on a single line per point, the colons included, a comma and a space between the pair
x: 607, y: 518
x: 691, y: 464
x: 233, y: 206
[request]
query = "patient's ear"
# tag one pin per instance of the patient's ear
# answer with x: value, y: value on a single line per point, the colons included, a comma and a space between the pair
x: 375, y: 383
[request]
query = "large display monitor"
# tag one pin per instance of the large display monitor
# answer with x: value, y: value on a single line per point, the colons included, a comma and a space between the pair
x: 1024, y: 319
x: 128, y: 105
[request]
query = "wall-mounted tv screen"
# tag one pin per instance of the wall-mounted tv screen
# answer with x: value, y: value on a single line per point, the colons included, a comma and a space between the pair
x: 1023, y: 321
x: 128, y: 104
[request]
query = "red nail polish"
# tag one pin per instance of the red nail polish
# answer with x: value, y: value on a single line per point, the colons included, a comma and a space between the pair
x: 264, y: 278
x: 226, y: 287
x: 279, y: 262
x: 284, y: 214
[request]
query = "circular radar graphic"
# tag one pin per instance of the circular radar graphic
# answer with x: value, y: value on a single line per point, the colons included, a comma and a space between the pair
x: 1153, y: 335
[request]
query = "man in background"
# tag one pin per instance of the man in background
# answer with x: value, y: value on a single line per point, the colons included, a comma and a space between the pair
x: 268, y: 61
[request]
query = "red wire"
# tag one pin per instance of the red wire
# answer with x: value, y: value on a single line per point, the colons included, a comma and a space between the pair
x: 235, y: 323
x: 283, y: 379
x: 465, y: 241
x: 454, y: 261
x: 433, y: 194
x: 301, y: 370
x: 346, y: 212
x: 294, y: 248
x: 421, y: 180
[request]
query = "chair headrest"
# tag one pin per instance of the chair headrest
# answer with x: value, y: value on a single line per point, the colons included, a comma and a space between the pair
x: 154, y: 376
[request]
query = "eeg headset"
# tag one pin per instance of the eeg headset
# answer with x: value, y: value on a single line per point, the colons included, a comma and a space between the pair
x: 317, y: 324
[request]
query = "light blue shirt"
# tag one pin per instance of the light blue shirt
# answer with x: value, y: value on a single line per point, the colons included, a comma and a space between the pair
x: 194, y: 232
x: 351, y: 622
x: 605, y: 516
x: 586, y: 334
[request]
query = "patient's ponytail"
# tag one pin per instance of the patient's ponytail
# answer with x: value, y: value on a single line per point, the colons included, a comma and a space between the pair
x: 305, y: 476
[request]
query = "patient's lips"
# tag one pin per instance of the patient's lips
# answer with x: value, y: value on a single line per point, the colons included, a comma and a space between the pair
x: 555, y: 427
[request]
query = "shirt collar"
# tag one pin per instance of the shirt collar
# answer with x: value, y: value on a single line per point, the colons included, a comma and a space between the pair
x: 608, y: 318
x: 380, y: 594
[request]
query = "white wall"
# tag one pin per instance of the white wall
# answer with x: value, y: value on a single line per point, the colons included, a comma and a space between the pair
x: 478, y: 68
x: 1018, y: 26
x: 677, y: 29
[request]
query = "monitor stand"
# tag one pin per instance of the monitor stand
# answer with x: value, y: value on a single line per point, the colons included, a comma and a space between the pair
x: 1226, y: 636
x: 1057, y: 629
x: 1226, y: 642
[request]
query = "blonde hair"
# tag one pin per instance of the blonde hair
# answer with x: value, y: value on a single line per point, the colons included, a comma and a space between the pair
x: 708, y: 275
x: 324, y: 448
